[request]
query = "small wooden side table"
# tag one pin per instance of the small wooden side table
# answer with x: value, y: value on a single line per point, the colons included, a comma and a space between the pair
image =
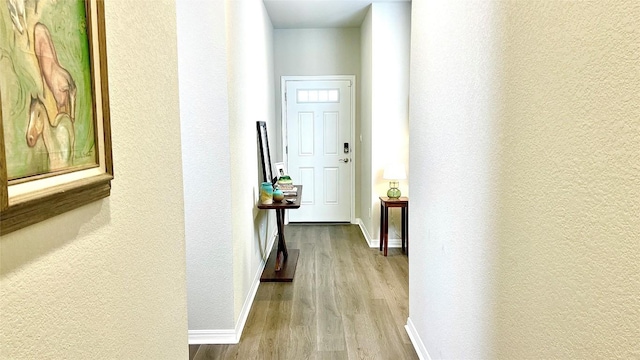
x: 281, y: 264
x: 385, y: 204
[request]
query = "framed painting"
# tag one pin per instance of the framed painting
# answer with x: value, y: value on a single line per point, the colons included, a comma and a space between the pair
x: 55, y: 135
x: 281, y: 169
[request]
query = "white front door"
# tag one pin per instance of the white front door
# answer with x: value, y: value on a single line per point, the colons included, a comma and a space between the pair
x: 320, y: 148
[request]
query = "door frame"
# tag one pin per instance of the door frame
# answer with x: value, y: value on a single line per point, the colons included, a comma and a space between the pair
x: 352, y: 154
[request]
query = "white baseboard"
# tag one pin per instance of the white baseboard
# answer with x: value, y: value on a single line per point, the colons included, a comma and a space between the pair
x: 364, y: 231
x: 232, y: 336
x: 375, y: 242
x: 248, y: 301
x: 199, y: 337
x: 418, y: 345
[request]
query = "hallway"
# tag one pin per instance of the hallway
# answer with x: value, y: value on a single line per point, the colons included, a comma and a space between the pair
x: 347, y: 301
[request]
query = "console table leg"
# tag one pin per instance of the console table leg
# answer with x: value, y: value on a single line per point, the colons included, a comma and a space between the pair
x: 403, y: 232
x: 386, y: 230
x: 406, y: 227
x: 381, y: 224
x: 282, y: 253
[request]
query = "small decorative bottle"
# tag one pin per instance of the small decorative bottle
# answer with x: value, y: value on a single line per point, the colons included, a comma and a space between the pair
x: 266, y: 193
x: 278, y: 195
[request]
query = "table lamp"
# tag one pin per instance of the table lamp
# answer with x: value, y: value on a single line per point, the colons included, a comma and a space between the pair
x: 393, y: 173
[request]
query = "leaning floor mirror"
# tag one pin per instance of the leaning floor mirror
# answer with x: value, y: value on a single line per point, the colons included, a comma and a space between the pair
x: 265, y: 156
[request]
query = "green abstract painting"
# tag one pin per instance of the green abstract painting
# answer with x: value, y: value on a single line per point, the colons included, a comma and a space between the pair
x: 46, y: 88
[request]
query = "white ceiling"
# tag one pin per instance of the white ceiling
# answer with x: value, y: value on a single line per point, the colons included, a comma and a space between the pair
x: 309, y: 14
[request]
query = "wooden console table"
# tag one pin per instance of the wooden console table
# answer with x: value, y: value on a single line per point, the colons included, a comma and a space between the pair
x: 281, y: 264
x: 385, y: 204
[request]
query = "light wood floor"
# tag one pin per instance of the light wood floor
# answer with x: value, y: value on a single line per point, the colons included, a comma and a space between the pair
x: 347, y: 301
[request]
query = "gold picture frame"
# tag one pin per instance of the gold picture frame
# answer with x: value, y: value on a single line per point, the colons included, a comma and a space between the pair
x: 63, y: 81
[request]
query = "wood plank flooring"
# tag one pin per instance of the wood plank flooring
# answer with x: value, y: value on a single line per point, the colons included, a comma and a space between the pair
x: 347, y: 301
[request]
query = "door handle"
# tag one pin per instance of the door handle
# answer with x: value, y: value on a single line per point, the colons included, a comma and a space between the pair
x: 345, y: 160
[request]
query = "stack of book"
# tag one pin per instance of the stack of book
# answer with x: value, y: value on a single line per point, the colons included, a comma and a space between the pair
x: 291, y: 191
x: 286, y: 185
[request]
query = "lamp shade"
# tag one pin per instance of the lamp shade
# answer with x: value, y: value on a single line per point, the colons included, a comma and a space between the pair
x: 394, y: 171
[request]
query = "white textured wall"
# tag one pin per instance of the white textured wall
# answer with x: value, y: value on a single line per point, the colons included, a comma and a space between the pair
x: 206, y: 162
x: 226, y: 74
x: 107, y: 281
x: 525, y: 135
x: 251, y: 98
x: 451, y: 146
x: 386, y: 118
x: 365, y: 146
x: 317, y: 52
x: 569, y: 210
